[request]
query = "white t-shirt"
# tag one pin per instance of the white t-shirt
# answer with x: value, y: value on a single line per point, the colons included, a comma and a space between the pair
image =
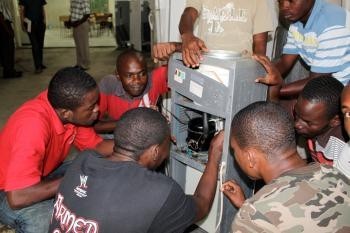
x: 343, y: 161
x: 231, y: 24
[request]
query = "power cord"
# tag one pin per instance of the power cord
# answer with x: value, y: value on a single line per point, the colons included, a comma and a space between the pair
x: 221, y: 197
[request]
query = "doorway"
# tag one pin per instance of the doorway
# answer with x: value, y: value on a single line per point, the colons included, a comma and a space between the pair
x: 132, y: 24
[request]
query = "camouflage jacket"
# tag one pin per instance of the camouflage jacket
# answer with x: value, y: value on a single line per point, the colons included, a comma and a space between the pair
x: 313, y: 199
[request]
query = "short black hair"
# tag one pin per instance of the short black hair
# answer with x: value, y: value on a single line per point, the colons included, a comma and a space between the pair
x: 68, y: 87
x: 324, y: 89
x: 265, y: 126
x: 140, y: 128
x: 130, y: 53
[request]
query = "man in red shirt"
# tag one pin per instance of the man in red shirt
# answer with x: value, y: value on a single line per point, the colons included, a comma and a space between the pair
x: 130, y: 87
x: 36, y: 140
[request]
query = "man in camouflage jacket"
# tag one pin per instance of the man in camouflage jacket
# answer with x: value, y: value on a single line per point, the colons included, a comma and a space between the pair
x: 297, y: 197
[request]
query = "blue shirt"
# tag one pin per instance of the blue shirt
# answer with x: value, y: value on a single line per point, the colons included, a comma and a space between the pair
x: 324, y: 42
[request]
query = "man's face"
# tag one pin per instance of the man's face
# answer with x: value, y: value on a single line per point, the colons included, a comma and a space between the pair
x: 296, y: 10
x: 133, y: 75
x: 87, y: 113
x: 310, y: 118
x: 345, y: 108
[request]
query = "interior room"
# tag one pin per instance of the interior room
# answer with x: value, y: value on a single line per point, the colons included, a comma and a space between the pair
x: 115, y: 25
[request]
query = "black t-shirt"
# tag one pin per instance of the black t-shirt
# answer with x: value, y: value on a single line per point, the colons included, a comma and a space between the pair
x: 33, y: 9
x: 98, y: 195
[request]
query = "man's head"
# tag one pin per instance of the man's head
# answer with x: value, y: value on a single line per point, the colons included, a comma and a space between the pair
x: 143, y: 135
x: 317, y: 108
x: 261, y: 133
x: 73, y: 93
x: 131, y: 70
x: 296, y: 10
x: 345, y: 107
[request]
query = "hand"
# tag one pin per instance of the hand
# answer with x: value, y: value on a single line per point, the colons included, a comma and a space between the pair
x: 154, y: 107
x: 68, y: 24
x: 192, y: 48
x: 233, y: 192
x: 162, y: 51
x: 215, y: 149
x: 273, y: 76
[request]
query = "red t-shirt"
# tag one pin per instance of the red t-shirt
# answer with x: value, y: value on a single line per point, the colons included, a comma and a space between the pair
x: 34, y: 142
x: 114, y: 102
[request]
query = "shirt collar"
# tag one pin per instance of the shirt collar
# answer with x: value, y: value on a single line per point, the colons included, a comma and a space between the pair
x: 59, y: 127
x: 314, y: 13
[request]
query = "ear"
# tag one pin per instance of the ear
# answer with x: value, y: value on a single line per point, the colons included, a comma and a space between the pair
x: 64, y: 114
x: 150, y: 157
x: 155, y: 152
x: 251, y: 158
x: 116, y: 74
x: 335, y: 121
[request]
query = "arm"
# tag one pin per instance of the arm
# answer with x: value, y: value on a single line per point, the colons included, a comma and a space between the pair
x: 5, y: 26
x: 78, y: 22
x: 191, y: 45
x: 259, y: 43
x: 205, y: 191
x: 162, y: 51
x: 105, y: 147
x: 86, y: 138
x: 105, y: 126
x: 21, y: 14
x: 285, y: 63
x: 41, y: 191
x: 44, y: 15
x: 234, y: 193
x: 293, y: 89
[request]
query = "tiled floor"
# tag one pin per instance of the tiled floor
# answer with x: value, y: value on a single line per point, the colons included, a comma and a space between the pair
x: 62, y: 37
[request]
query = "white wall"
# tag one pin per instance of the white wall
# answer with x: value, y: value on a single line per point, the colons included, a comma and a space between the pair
x: 176, y: 9
x: 54, y: 9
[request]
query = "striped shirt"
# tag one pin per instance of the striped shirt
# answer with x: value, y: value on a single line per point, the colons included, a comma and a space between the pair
x: 324, y: 42
x: 79, y: 8
x: 5, y: 9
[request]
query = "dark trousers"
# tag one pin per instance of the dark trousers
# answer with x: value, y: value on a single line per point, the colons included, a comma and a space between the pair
x: 36, y: 37
x: 7, y: 48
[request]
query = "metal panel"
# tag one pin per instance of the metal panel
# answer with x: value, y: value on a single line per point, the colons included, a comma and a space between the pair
x: 195, y: 92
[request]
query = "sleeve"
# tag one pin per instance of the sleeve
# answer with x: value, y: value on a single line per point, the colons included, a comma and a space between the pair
x: 160, y: 79
x: 290, y: 46
x: 343, y: 161
x: 86, y: 138
x: 248, y: 219
x: 263, y: 17
x: 27, y: 153
x: 86, y: 7
x: 197, y: 4
x: 177, y: 213
x: 333, y: 51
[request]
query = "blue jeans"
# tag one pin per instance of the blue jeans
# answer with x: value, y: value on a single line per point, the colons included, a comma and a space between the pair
x: 32, y: 219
